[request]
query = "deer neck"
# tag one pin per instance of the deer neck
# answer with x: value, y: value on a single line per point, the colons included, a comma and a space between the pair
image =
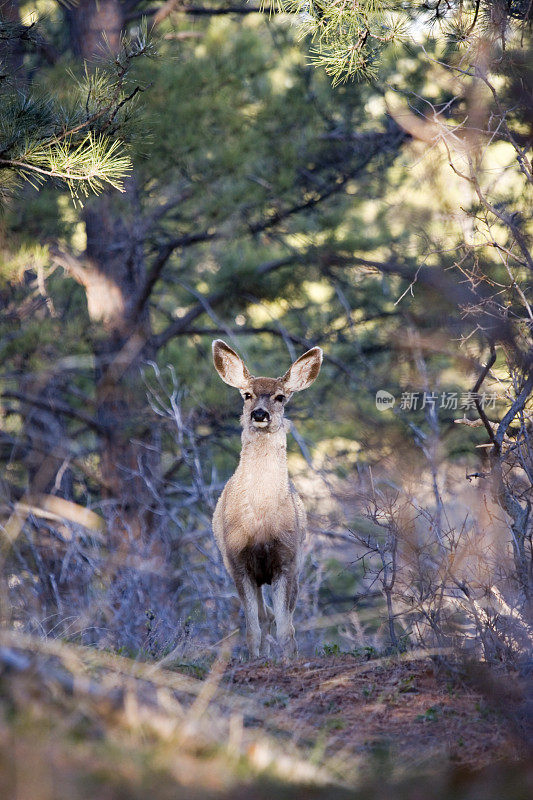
x: 263, y: 461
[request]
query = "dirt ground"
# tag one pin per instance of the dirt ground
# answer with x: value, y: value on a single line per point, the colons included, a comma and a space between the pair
x: 84, y: 724
x: 399, y: 712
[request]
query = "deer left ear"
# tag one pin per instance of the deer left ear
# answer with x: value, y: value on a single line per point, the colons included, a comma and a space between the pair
x: 304, y: 371
x: 230, y: 366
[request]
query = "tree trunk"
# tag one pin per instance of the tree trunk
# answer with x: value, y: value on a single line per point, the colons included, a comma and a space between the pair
x: 12, y: 52
x: 140, y: 612
x: 113, y: 273
x: 95, y: 28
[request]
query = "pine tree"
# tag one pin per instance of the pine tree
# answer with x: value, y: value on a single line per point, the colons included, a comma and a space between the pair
x: 77, y: 142
x: 235, y: 204
x: 263, y: 206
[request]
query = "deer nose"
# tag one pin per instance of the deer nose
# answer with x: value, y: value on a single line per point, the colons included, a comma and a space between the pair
x: 260, y: 415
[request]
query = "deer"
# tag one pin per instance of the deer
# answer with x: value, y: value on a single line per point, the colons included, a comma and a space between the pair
x: 260, y: 523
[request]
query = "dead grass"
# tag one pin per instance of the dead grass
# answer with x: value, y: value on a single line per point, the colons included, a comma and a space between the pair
x: 78, y: 723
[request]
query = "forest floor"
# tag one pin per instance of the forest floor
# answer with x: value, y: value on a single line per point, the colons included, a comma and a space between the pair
x: 79, y: 723
x: 391, y: 711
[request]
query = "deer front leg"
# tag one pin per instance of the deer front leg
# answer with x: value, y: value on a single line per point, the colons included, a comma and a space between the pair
x: 284, y: 592
x: 248, y: 594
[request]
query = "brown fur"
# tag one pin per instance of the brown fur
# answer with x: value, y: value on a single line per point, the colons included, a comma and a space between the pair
x: 260, y: 522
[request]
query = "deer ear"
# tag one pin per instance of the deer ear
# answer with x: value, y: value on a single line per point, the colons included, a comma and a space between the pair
x: 304, y: 371
x: 229, y: 366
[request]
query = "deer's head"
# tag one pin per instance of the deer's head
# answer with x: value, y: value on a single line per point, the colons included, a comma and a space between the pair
x: 265, y: 398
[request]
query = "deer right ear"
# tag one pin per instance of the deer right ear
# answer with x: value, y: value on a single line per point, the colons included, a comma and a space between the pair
x: 304, y: 371
x: 229, y: 366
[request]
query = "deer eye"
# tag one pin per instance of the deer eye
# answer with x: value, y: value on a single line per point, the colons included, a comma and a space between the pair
x: 247, y: 396
x: 279, y: 398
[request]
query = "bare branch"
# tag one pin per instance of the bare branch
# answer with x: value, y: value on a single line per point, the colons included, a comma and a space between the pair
x: 214, y: 299
x: 57, y: 406
x: 475, y: 390
x: 159, y: 262
x: 515, y: 409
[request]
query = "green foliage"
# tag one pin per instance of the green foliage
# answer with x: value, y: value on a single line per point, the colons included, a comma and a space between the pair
x: 77, y: 140
x: 348, y: 37
x: 331, y: 649
x: 431, y: 714
x: 85, y: 167
x: 241, y: 139
x: 239, y: 128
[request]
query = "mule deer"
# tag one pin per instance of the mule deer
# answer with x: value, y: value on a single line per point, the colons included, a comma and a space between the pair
x: 260, y: 522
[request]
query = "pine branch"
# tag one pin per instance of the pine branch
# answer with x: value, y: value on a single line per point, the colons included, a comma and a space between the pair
x: 94, y: 161
x: 159, y: 263
x: 348, y: 37
x: 369, y: 349
x: 207, y: 302
x: 383, y: 142
x: 79, y: 147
